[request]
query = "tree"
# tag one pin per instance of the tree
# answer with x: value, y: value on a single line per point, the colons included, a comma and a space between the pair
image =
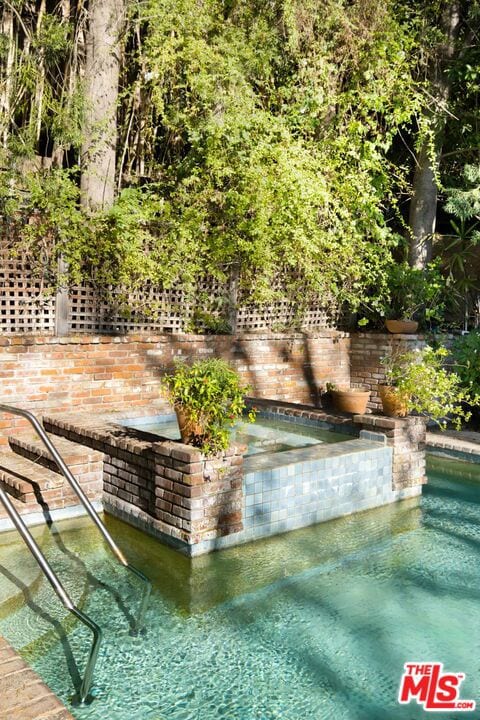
x: 102, y: 67
x: 423, y: 207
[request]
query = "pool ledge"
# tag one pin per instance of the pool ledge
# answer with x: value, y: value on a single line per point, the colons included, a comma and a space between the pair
x: 254, y: 463
x: 456, y: 444
x: 23, y: 695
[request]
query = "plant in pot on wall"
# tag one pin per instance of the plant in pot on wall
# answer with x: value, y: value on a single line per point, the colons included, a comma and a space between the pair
x: 418, y: 382
x: 414, y: 295
x: 208, y: 397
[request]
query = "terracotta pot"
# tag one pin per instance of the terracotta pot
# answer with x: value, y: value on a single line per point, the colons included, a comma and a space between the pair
x: 190, y: 430
x: 405, y: 327
x: 351, y: 400
x: 393, y: 403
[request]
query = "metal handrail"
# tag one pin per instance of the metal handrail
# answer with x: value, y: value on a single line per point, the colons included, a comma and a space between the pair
x: 61, y: 592
x: 73, y: 482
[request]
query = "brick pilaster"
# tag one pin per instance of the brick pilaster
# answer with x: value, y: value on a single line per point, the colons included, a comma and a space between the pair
x: 407, y: 438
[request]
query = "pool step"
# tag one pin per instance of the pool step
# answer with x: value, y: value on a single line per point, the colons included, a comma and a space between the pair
x: 19, y: 574
x: 27, y: 481
x: 80, y: 459
x: 33, y: 479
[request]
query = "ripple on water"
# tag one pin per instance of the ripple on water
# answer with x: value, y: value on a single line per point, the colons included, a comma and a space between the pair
x: 311, y: 626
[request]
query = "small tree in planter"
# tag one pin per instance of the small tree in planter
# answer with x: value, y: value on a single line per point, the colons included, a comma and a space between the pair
x: 413, y: 294
x: 208, y: 397
x: 418, y: 382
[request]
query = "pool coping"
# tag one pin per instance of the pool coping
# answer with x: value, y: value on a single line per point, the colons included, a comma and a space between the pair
x: 23, y: 694
x: 455, y: 444
x: 351, y: 442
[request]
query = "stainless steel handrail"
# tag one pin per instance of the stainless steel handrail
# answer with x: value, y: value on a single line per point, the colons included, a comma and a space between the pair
x: 61, y: 592
x: 93, y: 515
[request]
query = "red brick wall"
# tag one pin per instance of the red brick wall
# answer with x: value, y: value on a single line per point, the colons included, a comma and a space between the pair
x: 366, y: 350
x: 99, y: 373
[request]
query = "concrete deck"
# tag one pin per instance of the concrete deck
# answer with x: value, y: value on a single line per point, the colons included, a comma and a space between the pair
x: 23, y: 696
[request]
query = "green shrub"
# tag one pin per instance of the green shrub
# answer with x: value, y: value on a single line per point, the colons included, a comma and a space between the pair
x: 429, y: 388
x: 415, y: 294
x: 211, y: 393
x: 466, y: 358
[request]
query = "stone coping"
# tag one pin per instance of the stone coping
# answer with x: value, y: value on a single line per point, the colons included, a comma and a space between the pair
x: 307, y: 412
x: 106, y: 429
x: 151, y: 338
x: 321, y: 451
x: 458, y: 444
x: 23, y: 695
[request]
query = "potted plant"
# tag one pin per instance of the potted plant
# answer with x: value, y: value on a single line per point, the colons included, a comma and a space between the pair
x: 417, y: 381
x: 351, y: 400
x: 413, y: 293
x: 208, y: 397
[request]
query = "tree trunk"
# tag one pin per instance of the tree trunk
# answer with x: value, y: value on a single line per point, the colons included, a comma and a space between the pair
x: 106, y: 19
x: 423, y: 206
x: 6, y: 68
x: 423, y: 210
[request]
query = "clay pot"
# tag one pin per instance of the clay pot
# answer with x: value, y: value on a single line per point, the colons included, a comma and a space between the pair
x: 351, y: 400
x: 404, y: 327
x: 393, y: 403
x: 190, y: 430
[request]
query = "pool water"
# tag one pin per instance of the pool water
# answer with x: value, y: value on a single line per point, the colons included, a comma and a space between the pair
x: 312, y: 625
x: 262, y: 436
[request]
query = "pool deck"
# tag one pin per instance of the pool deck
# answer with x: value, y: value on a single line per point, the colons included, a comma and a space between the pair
x: 459, y: 444
x: 23, y: 696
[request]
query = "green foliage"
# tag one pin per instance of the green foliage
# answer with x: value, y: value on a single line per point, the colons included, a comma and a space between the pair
x: 212, y: 395
x: 415, y: 293
x: 275, y: 159
x: 429, y: 388
x: 460, y: 246
x: 254, y: 135
x: 43, y: 211
x: 464, y: 202
x: 466, y: 361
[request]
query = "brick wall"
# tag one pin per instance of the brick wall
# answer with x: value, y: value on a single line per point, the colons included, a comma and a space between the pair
x: 98, y: 373
x: 44, y: 374
x: 366, y: 350
x: 198, y: 499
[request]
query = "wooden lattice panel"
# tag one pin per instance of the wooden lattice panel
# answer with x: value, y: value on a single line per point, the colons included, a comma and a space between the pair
x: 25, y: 306
x: 282, y: 315
x: 150, y: 310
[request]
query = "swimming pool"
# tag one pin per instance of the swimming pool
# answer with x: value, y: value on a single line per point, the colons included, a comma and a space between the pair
x: 263, y: 436
x: 316, y: 624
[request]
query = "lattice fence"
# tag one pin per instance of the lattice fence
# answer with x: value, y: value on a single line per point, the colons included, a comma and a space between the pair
x: 26, y: 307
x: 282, y: 315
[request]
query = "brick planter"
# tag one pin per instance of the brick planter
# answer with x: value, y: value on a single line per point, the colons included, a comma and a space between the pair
x: 201, y: 497
x: 166, y: 486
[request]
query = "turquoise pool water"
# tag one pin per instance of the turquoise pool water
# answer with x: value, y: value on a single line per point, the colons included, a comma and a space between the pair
x: 313, y: 625
x: 262, y: 436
